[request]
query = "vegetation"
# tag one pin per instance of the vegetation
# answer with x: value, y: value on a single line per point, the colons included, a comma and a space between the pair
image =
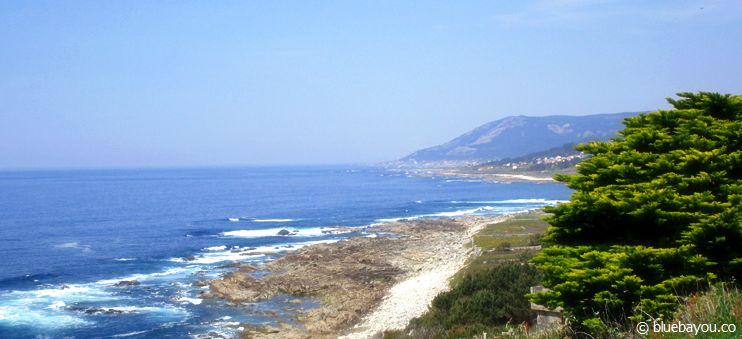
x: 651, y: 231
x: 656, y: 214
x: 488, y: 294
x: 480, y: 303
x: 517, y: 232
x: 721, y: 304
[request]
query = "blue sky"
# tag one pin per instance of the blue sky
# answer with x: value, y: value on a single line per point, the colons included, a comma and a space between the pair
x: 179, y: 83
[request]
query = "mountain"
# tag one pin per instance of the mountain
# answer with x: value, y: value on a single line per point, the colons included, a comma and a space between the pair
x: 520, y: 135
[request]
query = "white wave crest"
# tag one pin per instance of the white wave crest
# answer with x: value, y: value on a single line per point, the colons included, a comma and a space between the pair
x: 27, y: 315
x: 215, y: 257
x: 271, y: 232
x: 46, y: 307
x: 129, y: 334
x: 151, y: 276
x: 511, y: 207
x: 458, y: 213
x: 195, y: 301
x: 464, y: 180
x: 243, y: 254
x: 512, y: 201
x: 274, y: 220
x: 387, y: 220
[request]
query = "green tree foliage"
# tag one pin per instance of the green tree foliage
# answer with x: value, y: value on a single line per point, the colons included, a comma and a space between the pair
x: 656, y: 213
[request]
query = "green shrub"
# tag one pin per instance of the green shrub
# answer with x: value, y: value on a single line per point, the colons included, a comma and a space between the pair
x: 536, y: 239
x: 503, y: 247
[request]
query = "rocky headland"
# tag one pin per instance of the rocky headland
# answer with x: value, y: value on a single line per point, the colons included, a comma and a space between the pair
x: 364, y: 285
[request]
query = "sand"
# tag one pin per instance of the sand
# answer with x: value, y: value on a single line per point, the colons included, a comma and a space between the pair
x: 523, y: 177
x: 411, y: 297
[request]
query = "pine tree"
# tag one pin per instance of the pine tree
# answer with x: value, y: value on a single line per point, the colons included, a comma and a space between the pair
x: 656, y: 214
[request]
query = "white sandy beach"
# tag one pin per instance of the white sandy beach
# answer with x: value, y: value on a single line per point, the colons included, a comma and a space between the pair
x: 412, y: 296
x: 523, y: 177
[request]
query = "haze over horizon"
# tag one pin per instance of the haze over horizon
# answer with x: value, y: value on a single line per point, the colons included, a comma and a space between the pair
x: 154, y: 84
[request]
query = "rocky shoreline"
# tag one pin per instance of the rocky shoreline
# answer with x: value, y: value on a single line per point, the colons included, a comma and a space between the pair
x: 364, y: 285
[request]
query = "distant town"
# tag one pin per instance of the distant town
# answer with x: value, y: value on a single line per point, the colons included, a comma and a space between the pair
x: 536, y: 164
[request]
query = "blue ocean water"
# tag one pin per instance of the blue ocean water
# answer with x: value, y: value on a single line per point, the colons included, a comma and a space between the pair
x: 67, y: 238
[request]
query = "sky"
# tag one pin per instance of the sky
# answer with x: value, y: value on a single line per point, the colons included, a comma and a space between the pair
x: 108, y: 84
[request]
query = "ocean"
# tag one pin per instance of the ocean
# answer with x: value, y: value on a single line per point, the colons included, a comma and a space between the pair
x: 69, y: 238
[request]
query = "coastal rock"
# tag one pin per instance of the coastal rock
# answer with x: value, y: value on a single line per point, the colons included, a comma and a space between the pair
x: 98, y: 310
x: 335, y: 230
x: 91, y: 311
x: 238, y: 287
x: 284, y: 232
x: 200, y: 283
x: 211, y: 335
x: 247, y: 268
x: 126, y: 283
x: 342, y: 275
x: 351, y: 277
x: 285, y: 332
x: 242, y: 267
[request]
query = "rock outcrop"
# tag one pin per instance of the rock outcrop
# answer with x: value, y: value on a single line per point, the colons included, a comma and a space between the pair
x: 349, y: 278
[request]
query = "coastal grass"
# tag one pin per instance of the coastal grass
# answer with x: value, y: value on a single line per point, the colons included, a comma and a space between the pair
x: 505, y: 242
x: 546, y: 173
x: 518, y: 231
x: 720, y: 304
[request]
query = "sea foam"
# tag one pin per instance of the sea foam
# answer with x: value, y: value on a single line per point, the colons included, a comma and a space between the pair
x: 271, y: 232
x: 274, y: 220
x: 511, y: 206
x: 28, y: 315
x: 512, y: 201
x: 47, y: 307
x: 237, y: 254
x: 142, y: 277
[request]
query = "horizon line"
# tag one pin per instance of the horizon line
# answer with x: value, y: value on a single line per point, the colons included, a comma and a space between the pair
x: 176, y: 167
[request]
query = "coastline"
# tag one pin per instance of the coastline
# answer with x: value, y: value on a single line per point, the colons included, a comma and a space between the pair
x: 466, y: 173
x: 523, y: 177
x: 411, y: 297
x: 364, y: 285
x: 137, y: 285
